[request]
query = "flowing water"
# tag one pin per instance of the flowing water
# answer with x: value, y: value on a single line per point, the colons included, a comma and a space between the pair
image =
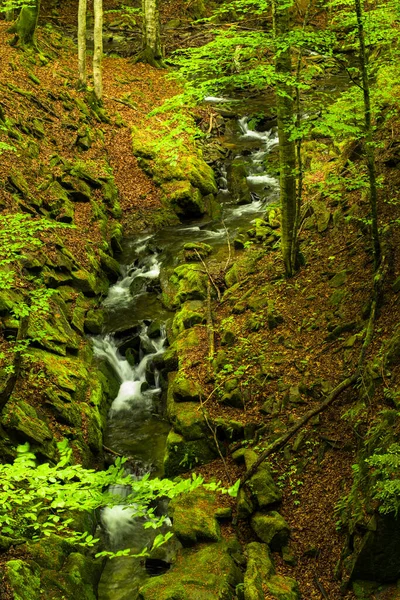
x: 135, y: 335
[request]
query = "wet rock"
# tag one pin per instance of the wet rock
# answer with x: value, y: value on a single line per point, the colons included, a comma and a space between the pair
x: 195, y: 251
x: 132, y: 356
x: 185, y: 199
x: 271, y: 528
x: 154, y: 330
x: 133, y: 342
x: 238, y: 185
x: 94, y: 321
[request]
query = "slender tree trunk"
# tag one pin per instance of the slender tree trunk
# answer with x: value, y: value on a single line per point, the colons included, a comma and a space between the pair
x: 287, y: 150
x: 369, y: 147
x: 82, y: 42
x: 151, y: 52
x: 98, y: 48
x: 25, y: 26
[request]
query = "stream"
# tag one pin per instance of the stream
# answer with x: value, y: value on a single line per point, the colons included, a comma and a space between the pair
x: 135, y: 334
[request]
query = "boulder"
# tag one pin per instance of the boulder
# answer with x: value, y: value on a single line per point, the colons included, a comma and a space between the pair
x: 195, y: 515
x: 259, y: 570
x: 271, y: 528
x: 204, y: 573
x: 182, y: 455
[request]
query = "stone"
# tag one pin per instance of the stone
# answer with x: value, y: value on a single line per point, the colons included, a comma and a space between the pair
x: 259, y: 570
x: 185, y: 199
x: 271, y: 528
x: 283, y: 588
x: 191, y: 313
x: 94, y: 321
x: 261, y: 485
x: 244, y: 505
x: 294, y: 395
x: 228, y: 337
x: 232, y: 276
x: 195, y: 251
x: 186, y: 419
x: 182, y: 455
x: 154, y: 330
x: 322, y: 215
x: 190, y: 283
x: 185, y: 389
x: 338, y: 280
x: 194, y: 517
x: 23, y: 579
x: 204, y: 573
x: 233, y: 399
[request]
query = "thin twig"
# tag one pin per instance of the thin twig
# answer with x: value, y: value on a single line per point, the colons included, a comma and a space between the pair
x: 209, y: 275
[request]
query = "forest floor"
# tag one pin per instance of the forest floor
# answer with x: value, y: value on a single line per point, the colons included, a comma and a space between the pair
x: 317, y: 474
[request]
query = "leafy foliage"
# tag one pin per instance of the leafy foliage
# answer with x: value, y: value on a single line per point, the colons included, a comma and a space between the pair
x: 37, y: 500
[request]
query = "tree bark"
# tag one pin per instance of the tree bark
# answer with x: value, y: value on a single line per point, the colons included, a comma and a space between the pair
x: 287, y: 151
x: 151, y: 52
x: 98, y: 49
x: 82, y: 9
x: 368, y: 144
x: 25, y: 26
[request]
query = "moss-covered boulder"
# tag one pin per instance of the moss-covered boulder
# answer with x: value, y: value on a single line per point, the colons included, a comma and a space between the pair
x: 182, y: 455
x: 195, y: 251
x: 271, y: 528
x: 52, y: 330
x: 23, y: 579
x: 283, y: 588
x: 94, y: 321
x: 207, y: 573
x: 23, y: 421
x: 262, y: 486
x: 185, y: 389
x: 191, y: 313
x: 184, y: 199
x: 259, y: 569
x: 195, y: 517
x: 190, y: 283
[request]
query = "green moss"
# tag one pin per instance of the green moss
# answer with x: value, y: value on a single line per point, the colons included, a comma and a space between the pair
x: 190, y: 283
x: 283, y: 588
x: 23, y: 579
x: 182, y: 455
x: 207, y: 573
x: 259, y: 569
x: 185, y: 200
x: 52, y: 330
x: 195, y: 517
x: 271, y: 528
x: 191, y: 313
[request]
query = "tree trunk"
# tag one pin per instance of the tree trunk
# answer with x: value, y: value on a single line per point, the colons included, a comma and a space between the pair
x: 287, y: 150
x: 25, y: 26
x: 368, y: 144
x: 82, y: 42
x: 151, y: 52
x: 98, y: 49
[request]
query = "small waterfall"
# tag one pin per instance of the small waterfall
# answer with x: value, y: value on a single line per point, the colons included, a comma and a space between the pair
x: 132, y: 378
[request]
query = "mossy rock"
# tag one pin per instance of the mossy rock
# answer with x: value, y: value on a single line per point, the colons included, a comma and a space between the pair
x: 9, y: 300
x: 322, y: 215
x: 23, y: 579
x: 186, y: 419
x: 52, y: 330
x: 194, y: 517
x: 190, y: 283
x: 61, y: 404
x: 187, y: 340
x: 94, y: 321
x: 191, y: 313
x: 23, y: 420
x: 185, y: 200
x: 283, y: 588
x: 259, y: 570
x: 195, y: 251
x: 271, y: 528
x: 198, y: 574
x: 244, y: 505
x: 182, y: 455
x: 185, y: 389
x: 232, y: 276
x: 88, y: 283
